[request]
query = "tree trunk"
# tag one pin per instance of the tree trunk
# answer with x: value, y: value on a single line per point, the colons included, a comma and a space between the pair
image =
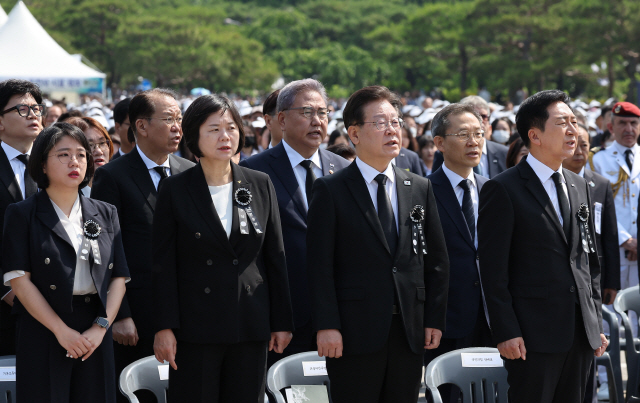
x: 464, y: 67
x: 610, y: 74
x: 630, y: 69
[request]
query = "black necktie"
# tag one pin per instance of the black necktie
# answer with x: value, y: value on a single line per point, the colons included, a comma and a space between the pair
x: 30, y: 186
x: 467, y: 207
x: 628, y: 156
x: 311, y: 177
x: 163, y: 174
x: 385, y: 214
x: 563, y: 201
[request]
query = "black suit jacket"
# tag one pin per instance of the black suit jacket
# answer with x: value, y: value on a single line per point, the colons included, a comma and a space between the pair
x: 352, y: 274
x: 465, y: 293
x: 496, y: 157
x: 126, y: 184
x: 214, y: 289
x: 43, y: 248
x: 409, y: 161
x: 607, y: 240
x: 293, y: 215
x: 532, y: 275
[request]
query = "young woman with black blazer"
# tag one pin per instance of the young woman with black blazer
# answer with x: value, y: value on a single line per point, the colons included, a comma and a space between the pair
x: 62, y: 254
x: 220, y: 280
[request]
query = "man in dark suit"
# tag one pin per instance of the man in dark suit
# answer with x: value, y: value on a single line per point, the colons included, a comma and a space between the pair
x: 458, y: 134
x: 130, y: 183
x: 121, y: 124
x: 377, y: 262
x: 409, y: 161
x: 293, y: 165
x: 538, y: 261
x: 20, y: 124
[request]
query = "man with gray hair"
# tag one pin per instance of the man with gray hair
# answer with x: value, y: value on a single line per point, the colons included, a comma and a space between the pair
x: 293, y: 165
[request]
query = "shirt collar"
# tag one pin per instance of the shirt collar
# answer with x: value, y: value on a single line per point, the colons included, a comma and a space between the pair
x: 581, y: 173
x: 484, y: 146
x: 295, y: 158
x: 369, y: 173
x: 621, y: 149
x: 455, y: 179
x: 542, y: 171
x: 12, y: 152
x: 75, y: 211
x: 150, y: 164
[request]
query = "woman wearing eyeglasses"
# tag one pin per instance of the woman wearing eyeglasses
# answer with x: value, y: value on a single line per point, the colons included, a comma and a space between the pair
x: 62, y: 254
x: 99, y: 142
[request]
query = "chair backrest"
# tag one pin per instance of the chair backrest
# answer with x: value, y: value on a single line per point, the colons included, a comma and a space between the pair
x: 143, y: 374
x: 478, y: 384
x: 628, y: 300
x: 289, y: 371
x: 8, y: 388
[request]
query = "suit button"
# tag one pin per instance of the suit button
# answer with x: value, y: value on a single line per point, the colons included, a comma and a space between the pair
x: 235, y: 262
x: 395, y: 269
x: 53, y: 287
x: 572, y: 289
x: 87, y: 299
x: 207, y: 290
x: 197, y: 235
x: 477, y: 283
x: 209, y: 262
x: 47, y: 261
x: 110, y: 266
x: 248, y: 288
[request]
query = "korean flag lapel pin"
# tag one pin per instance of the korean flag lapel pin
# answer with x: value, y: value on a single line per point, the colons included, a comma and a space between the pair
x: 331, y: 169
x: 407, y: 182
x: 592, y: 184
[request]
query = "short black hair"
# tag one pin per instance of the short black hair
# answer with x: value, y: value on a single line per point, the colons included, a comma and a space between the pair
x: 440, y: 123
x: 199, y: 111
x: 46, y: 140
x: 335, y: 135
x: 533, y: 112
x: 353, y: 113
x: 13, y: 87
x: 121, y: 111
x: 343, y: 150
x: 270, y: 104
x: 142, y: 106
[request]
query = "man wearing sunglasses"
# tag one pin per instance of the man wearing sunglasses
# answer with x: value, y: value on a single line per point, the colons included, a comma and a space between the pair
x: 21, y: 112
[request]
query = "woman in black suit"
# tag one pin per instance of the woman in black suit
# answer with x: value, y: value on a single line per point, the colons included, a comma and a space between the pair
x: 63, y: 255
x: 220, y: 281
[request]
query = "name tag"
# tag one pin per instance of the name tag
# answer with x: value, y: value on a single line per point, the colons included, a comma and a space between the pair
x: 482, y: 360
x: 163, y: 370
x: 597, y: 217
x: 7, y: 374
x: 314, y: 368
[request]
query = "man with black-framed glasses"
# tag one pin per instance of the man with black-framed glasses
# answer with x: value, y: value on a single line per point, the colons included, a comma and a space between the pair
x: 21, y: 113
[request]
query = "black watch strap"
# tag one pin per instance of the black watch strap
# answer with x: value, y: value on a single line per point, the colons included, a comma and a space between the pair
x: 102, y: 322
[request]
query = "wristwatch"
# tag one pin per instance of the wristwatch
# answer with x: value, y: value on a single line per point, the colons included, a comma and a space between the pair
x: 102, y: 322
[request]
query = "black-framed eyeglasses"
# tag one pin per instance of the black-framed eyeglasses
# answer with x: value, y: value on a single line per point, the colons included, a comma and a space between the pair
x: 382, y: 124
x: 23, y: 110
x: 466, y: 135
x: 309, y: 112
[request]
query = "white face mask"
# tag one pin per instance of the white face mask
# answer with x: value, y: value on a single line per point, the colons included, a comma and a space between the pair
x: 414, y: 131
x: 608, y: 143
x: 427, y: 133
x: 500, y: 136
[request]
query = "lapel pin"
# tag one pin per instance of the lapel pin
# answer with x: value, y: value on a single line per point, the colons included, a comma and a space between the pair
x: 331, y: 172
x: 592, y: 184
x: 407, y: 183
x: 239, y: 181
x: 495, y: 161
x: 572, y: 185
x: 615, y: 153
x: 611, y: 173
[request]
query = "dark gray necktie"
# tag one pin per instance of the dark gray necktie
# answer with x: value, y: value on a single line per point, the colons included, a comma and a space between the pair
x: 311, y: 177
x: 162, y: 171
x: 628, y: 156
x: 563, y: 201
x: 467, y: 207
x: 385, y: 214
x: 30, y: 186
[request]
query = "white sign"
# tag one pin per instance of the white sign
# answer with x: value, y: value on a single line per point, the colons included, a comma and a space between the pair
x: 597, y: 217
x: 163, y: 369
x: 7, y: 374
x: 481, y: 360
x: 314, y: 368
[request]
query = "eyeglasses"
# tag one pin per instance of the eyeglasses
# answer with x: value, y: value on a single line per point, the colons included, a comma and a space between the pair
x: 65, y: 158
x: 23, y: 110
x: 104, y: 145
x: 309, y: 112
x: 466, y: 135
x: 382, y: 124
x: 485, y: 118
x: 170, y: 121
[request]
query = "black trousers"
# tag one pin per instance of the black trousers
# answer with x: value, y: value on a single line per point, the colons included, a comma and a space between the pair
x: 45, y: 374
x: 552, y: 377
x: 479, y: 337
x: 125, y: 355
x: 391, y: 375
x: 219, y: 373
x: 7, y: 330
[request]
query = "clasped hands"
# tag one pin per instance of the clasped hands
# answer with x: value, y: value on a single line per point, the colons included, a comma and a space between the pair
x: 513, y: 349
x: 81, y: 345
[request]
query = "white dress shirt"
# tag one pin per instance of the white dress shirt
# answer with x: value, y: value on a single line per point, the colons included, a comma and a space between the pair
x: 155, y: 177
x: 73, y: 226
x: 544, y: 174
x: 301, y: 173
x: 455, y: 180
x: 221, y: 196
x: 369, y: 174
x: 16, y: 165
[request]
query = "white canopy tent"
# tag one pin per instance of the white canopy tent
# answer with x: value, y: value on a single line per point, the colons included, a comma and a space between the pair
x: 29, y: 53
x: 3, y: 16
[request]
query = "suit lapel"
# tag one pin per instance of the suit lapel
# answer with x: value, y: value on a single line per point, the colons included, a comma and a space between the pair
x: 405, y: 203
x: 47, y: 214
x: 89, y: 212
x: 239, y: 181
x: 328, y: 167
x: 281, y: 165
x: 175, y: 165
x: 8, y: 178
x: 490, y: 164
x: 574, y: 202
x: 362, y: 196
x: 142, y: 179
x: 446, y: 195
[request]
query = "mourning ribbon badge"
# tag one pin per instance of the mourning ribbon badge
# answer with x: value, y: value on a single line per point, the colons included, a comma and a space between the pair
x: 90, y: 241
x: 585, y: 235
x: 417, y: 229
x: 244, y: 197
